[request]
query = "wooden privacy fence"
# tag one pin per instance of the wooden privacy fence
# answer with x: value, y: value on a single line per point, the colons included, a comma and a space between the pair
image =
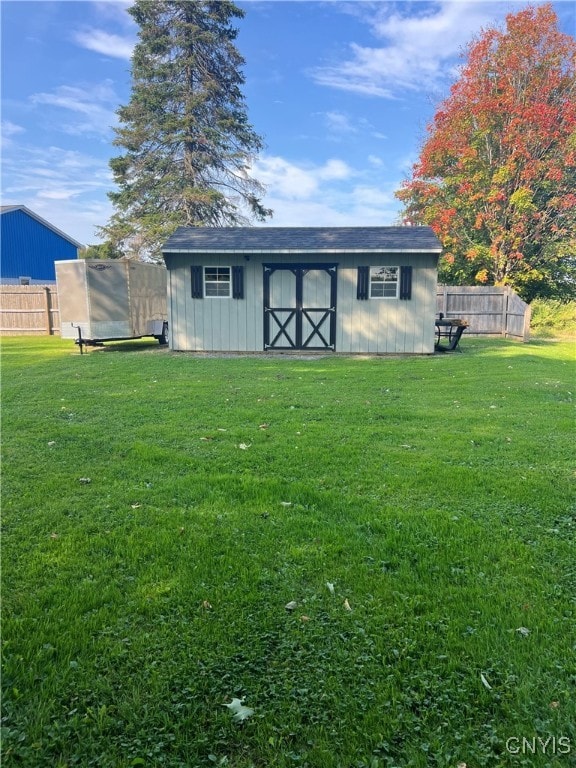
x: 488, y: 310
x: 29, y: 310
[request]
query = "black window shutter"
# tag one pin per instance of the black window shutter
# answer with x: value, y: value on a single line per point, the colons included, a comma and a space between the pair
x: 197, y: 288
x: 363, y: 282
x: 406, y: 283
x: 237, y: 282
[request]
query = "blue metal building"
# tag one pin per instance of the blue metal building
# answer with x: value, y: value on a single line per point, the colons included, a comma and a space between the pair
x: 30, y: 246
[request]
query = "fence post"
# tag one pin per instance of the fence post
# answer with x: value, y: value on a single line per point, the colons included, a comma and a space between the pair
x: 47, y: 310
x: 444, y: 299
x: 527, y: 319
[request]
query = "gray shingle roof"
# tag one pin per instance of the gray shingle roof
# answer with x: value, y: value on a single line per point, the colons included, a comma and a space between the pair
x: 302, y: 240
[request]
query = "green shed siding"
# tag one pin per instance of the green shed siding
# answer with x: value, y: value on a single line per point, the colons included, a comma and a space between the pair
x: 309, y: 306
x: 373, y: 326
x: 386, y: 326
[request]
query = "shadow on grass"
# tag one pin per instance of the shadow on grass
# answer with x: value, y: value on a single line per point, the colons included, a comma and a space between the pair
x: 133, y: 345
x: 468, y: 349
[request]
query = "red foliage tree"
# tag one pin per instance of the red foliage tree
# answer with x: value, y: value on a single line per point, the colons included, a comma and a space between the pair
x: 496, y: 177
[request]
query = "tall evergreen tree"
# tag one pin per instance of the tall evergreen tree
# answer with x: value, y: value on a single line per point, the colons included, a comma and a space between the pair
x: 188, y: 144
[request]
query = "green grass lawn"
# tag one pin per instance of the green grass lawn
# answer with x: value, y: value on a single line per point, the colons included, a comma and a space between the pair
x: 161, y: 510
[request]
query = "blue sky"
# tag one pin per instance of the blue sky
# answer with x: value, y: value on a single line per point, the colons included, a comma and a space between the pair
x: 340, y: 91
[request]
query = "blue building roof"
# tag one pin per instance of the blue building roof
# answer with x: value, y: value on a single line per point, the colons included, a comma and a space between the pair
x: 31, y: 245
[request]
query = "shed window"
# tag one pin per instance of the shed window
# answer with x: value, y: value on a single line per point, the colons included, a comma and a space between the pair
x: 217, y: 282
x: 384, y: 282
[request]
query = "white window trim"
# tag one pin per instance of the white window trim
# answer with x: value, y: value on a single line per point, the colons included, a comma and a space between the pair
x: 385, y: 298
x: 204, y: 281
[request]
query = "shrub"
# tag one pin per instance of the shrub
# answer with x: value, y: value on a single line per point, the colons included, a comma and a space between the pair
x: 553, y: 319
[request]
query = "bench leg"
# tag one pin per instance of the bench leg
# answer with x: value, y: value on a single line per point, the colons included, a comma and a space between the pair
x: 456, y: 338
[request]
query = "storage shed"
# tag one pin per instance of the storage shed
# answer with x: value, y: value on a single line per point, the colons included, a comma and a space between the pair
x: 345, y: 289
x: 30, y: 246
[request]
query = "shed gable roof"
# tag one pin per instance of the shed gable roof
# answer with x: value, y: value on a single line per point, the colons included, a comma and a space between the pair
x: 302, y: 240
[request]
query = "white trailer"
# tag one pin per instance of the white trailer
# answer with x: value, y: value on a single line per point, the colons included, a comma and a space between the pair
x: 111, y: 300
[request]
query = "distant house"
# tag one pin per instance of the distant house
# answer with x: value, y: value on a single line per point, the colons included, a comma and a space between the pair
x: 30, y: 246
x: 344, y: 289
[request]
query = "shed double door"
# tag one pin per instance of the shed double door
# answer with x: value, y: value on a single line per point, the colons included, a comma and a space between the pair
x: 300, y: 306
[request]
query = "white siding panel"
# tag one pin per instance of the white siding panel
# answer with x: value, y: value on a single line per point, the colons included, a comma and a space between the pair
x: 283, y: 289
x: 348, y: 316
x: 252, y: 306
x: 316, y: 289
x: 215, y: 324
x: 387, y: 326
x: 179, y: 281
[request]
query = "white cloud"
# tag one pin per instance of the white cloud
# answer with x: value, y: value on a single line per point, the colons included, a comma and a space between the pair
x: 11, y: 129
x: 339, y: 123
x: 43, y: 178
x: 51, y: 170
x: 333, y: 170
x: 330, y: 213
x: 116, y: 46
x: 285, y: 178
x: 95, y: 104
x: 294, y: 182
x: 306, y: 195
x: 114, y: 10
x: 345, y: 127
x: 419, y: 51
x: 372, y: 197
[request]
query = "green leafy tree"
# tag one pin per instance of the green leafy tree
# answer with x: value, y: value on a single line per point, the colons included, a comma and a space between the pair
x: 101, y: 251
x: 496, y: 177
x: 188, y: 145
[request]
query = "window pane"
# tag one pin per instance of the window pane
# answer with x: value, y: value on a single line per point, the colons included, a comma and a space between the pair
x: 217, y: 281
x: 384, y: 273
x: 217, y: 289
x: 218, y: 274
x: 384, y: 282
